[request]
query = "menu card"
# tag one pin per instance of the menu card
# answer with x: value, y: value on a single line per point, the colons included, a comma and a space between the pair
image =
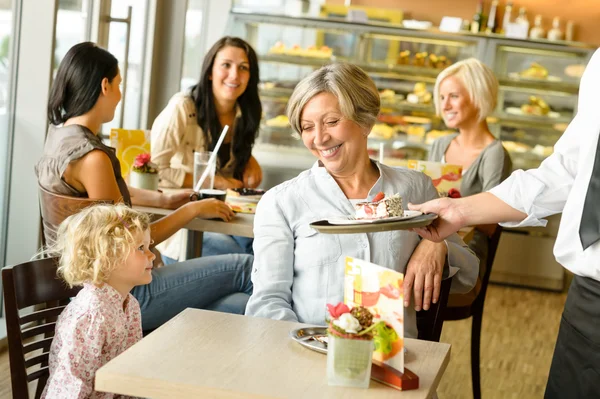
x: 129, y: 144
x: 446, y: 178
x: 380, y: 290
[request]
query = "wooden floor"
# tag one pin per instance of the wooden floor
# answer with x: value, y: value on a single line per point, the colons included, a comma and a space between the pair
x: 519, y: 332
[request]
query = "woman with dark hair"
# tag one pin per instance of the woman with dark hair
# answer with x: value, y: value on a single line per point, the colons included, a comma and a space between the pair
x: 227, y: 94
x: 75, y: 162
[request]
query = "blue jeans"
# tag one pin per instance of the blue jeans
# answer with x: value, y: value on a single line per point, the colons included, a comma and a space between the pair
x: 220, y: 283
x: 220, y: 244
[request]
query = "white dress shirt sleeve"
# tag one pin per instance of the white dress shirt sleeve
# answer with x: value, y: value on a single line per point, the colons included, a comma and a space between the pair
x: 273, y: 268
x: 544, y: 191
x: 463, y: 264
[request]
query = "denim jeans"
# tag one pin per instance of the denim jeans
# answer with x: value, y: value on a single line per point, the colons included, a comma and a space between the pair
x: 219, y: 244
x: 221, y: 283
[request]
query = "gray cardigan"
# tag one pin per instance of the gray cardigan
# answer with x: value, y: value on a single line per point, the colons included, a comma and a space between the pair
x: 487, y: 171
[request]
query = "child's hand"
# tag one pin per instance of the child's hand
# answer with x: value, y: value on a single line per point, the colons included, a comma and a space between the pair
x: 213, y: 208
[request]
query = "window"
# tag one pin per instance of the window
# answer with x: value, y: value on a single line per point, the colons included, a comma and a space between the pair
x: 7, y: 37
x: 193, y: 53
x: 128, y: 113
x: 72, y: 27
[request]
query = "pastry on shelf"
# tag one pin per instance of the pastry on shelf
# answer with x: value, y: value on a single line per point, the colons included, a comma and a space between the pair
x: 391, y: 119
x: 433, y: 135
x: 278, y: 121
x: 387, y: 95
x: 322, y: 52
x: 382, y: 131
x: 513, y: 146
x: 543, y: 150
x: 438, y: 62
x: 536, y: 71
x: 403, y: 57
x: 420, y: 95
x: 278, y: 48
x: 536, y: 106
x: 295, y: 50
x: 266, y: 85
x: 420, y: 58
x: 298, y: 51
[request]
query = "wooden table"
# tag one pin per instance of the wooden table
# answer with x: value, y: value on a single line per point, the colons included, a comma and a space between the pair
x: 241, y: 225
x: 203, y: 354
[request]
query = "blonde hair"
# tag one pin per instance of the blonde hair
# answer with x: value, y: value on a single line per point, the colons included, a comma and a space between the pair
x: 355, y: 90
x: 479, y: 81
x: 91, y: 243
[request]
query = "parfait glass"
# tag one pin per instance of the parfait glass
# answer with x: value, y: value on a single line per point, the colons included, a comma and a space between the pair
x: 349, y: 361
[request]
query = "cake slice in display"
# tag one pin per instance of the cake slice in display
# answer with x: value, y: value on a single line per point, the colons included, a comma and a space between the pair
x: 380, y: 207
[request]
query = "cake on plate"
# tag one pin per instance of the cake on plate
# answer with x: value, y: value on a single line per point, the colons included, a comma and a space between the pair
x: 381, y: 207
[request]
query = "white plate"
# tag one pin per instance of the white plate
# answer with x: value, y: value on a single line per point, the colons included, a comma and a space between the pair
x: 517, y: 111
x: 341, y: 220
x: 252, y: 199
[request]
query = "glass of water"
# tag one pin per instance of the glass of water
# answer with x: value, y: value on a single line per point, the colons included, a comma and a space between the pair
x: 201, y: 163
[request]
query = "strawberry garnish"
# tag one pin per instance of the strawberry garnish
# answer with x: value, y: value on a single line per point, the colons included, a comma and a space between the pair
x: 380, y: 195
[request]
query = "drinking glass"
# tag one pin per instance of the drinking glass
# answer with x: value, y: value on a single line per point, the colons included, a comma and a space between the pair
x: 201, y: 163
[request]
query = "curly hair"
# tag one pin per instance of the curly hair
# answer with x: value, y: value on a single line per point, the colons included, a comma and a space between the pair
x: 91, y: 243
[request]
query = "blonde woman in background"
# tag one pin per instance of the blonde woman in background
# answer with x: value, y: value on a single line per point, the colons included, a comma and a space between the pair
x: 465, y: 95
x: 297, y: 270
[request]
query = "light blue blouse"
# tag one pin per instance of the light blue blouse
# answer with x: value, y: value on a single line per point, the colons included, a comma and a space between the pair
x: 297, y: 270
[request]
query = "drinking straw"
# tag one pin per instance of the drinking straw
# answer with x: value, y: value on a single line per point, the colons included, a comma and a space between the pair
x: 212, y: 160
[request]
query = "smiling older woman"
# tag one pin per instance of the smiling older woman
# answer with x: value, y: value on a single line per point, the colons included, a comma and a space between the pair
x: 297, y: 271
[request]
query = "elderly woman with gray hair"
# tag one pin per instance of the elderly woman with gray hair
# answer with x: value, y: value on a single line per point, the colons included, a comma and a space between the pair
x: 297, y: 271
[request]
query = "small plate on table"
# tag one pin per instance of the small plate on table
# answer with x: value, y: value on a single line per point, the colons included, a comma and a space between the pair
x: 314, y: 338
x: 348, y: 225
x: 244, y: 195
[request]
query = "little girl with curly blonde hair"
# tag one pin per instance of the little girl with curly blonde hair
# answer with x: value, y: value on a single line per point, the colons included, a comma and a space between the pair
x: 106, y: 249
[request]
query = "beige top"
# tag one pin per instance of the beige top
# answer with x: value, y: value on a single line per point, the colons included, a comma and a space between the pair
x: 203, y: 354
x: 176, y: 135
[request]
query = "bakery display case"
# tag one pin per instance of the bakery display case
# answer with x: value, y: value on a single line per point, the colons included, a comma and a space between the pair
x: 404, y: 64
x: 537, y: 99
x: 538, y: 81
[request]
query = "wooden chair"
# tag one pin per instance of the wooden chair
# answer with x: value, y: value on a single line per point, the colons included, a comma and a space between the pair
x: 32, y: 284
x: 56, y: 207
x: 463, y: 306
x: 430, y: 322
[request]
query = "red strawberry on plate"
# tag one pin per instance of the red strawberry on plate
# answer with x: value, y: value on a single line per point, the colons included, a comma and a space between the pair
x: 380, y: 195
x: 454, y: 193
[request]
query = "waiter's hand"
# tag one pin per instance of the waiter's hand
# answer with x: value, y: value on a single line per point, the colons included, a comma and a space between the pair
x: 252, y: 174
x: 424, y: 274
x: 449, y: 220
